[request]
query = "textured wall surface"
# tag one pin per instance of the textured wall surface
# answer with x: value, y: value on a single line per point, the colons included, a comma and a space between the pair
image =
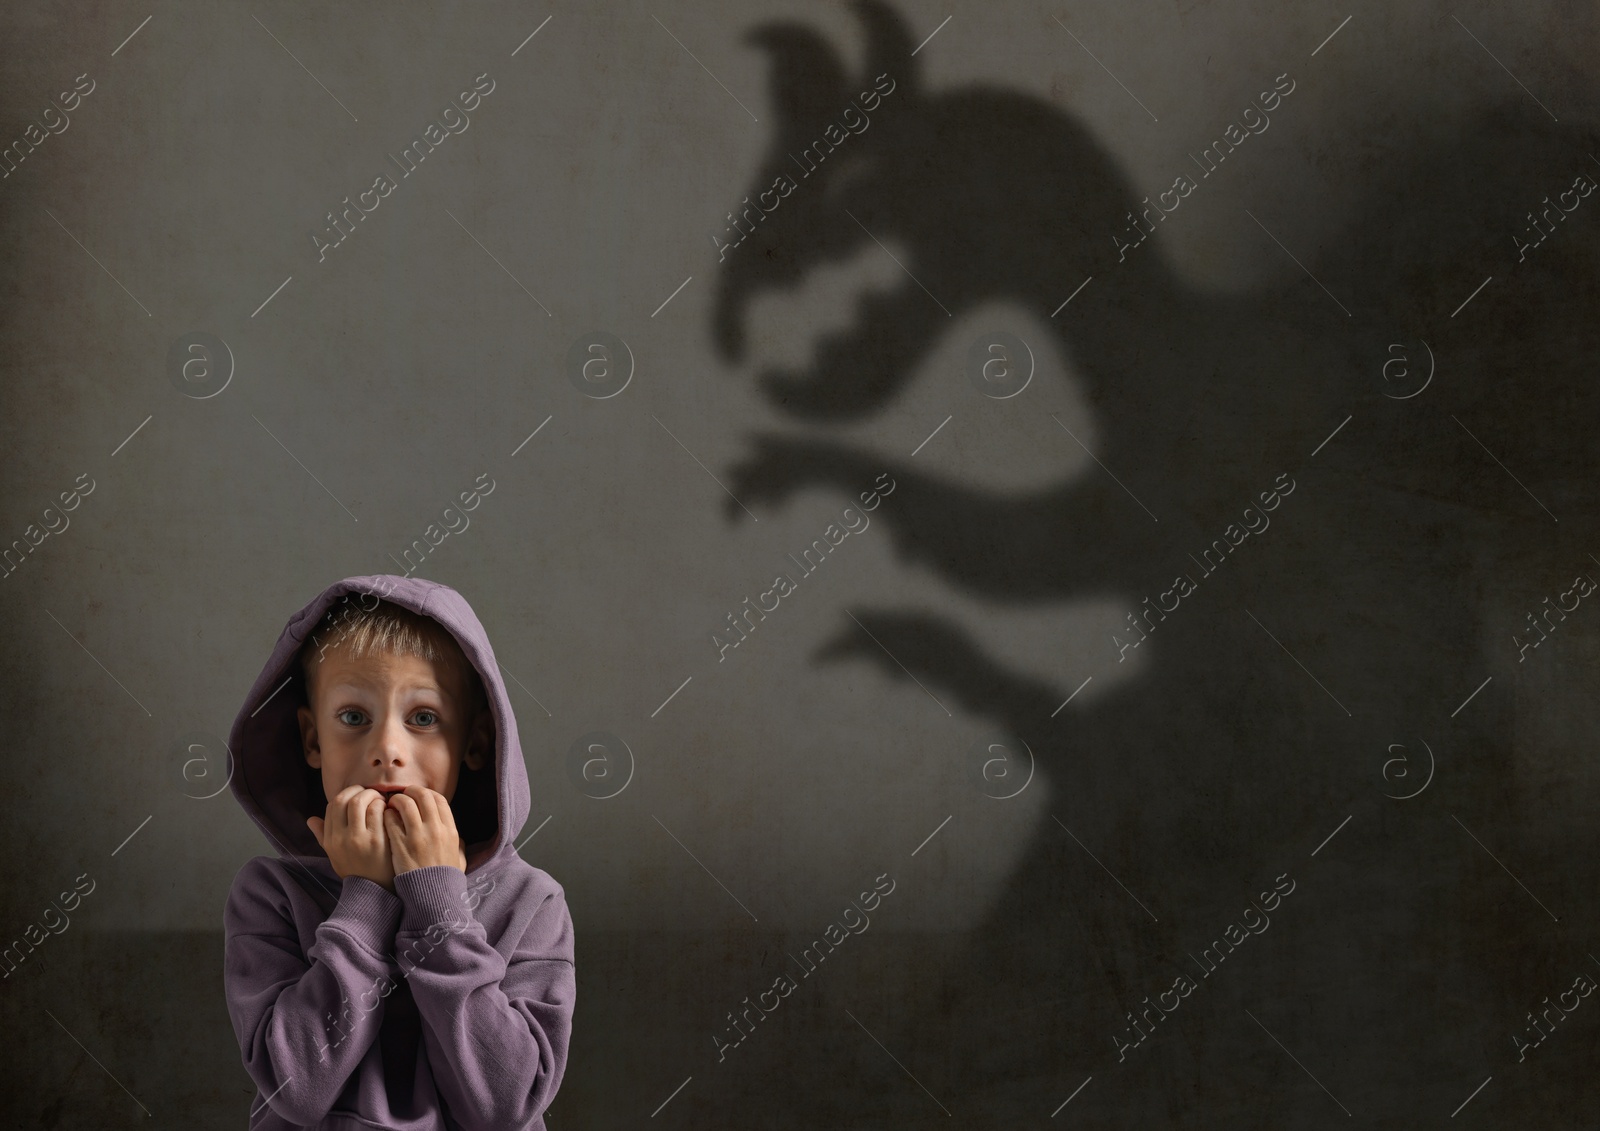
x: 1120, y: 475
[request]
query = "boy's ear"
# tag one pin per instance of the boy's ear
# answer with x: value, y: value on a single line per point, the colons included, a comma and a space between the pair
x: 480, y: 743
x: 308, y: 737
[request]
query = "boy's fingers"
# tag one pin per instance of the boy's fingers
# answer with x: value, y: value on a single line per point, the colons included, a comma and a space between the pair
x: 373, y: 813
x: 315, y: 825
x: 358, y: 805
x: 348, y: 817
x: 422, y: 797
x: 447, y: 823
x: 334, y: 825
x: 437, y: 809
x: 405, y: 807
x: 437, y: 803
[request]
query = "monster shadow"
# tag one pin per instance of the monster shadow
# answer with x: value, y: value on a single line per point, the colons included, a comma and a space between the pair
x: 1225, y: 761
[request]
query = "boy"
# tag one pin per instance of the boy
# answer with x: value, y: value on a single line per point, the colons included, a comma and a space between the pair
x: 397, y: 964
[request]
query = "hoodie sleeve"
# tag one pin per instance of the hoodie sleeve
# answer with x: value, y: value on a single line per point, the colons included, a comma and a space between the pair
x: 496, y: 1031
x: 295, y: 1015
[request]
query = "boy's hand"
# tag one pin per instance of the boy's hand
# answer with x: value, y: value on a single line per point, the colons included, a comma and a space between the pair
x: 355, y: 837
x: 422, y: 831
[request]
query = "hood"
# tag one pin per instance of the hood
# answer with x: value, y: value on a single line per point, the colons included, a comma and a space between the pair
x: 271, y: 779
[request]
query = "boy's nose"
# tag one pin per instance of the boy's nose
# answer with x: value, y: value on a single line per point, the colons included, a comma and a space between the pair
x: 389, y: 743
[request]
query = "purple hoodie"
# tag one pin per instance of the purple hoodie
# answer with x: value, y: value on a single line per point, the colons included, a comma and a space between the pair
x: 446, y: 1004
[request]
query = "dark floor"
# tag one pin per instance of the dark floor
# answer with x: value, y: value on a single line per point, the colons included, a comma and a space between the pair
x: 148, y: 1008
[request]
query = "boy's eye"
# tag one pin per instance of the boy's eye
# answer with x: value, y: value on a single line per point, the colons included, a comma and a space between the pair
x: 344, y: 717
x: 425, y: 718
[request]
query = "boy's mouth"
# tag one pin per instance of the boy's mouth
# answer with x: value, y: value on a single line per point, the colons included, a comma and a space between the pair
x: 388, y: 790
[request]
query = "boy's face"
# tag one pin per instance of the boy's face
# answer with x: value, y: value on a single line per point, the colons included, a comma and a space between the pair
x: 389, y: 721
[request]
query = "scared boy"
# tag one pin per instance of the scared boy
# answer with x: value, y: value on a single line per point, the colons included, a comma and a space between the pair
x: 397, y: 964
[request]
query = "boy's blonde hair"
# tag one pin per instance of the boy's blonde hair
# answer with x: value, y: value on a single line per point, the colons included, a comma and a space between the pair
x: 388, y: 629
